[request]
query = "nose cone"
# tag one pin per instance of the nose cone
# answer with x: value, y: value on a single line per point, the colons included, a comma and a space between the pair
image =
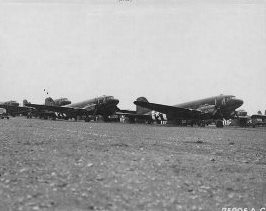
x: 238, y: 102
x: 114, y: 101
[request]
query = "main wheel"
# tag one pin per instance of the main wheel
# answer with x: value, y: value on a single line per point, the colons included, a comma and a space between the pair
x: 219, y: 124
x: 87, y: 119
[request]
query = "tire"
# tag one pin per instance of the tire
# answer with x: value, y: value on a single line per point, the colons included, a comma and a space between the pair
x: 219, y: 124
x: 87, y: 119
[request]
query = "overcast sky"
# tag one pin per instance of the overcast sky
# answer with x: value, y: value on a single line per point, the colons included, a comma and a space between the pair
x: 169, y: 51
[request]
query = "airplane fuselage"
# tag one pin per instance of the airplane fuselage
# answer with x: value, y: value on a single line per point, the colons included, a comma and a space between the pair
x: 104, y: 105
x: 226, y: 104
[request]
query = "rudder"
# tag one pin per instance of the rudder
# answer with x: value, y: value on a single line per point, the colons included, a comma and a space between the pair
x: 49, y: 101
x: 139, y: 109
x: 25, y: 102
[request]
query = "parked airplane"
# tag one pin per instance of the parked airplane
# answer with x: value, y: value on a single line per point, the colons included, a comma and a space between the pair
x: 104, y: 105
x: 196, y: 112
x: 42, y: 112
x: 12, y: 108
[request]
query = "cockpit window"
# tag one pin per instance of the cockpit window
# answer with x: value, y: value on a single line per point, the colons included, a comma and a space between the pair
x: 229, y: 98
x: 109, y: 98
x: 104, y: 99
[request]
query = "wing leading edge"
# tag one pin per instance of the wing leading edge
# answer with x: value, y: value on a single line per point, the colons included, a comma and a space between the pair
x: 58, y: 109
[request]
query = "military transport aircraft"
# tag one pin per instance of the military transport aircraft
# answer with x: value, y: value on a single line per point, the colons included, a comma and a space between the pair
x: 196, y: 112
x: 104, y: 105
x: 42, y: 112
x: 12, y: 108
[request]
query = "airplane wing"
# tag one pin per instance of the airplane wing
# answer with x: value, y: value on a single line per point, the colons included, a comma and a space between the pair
x: 59, y: 109
x: 182, y: 112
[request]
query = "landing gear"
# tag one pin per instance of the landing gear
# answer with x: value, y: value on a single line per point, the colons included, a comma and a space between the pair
x: 87, y: 119
x: 148, y: 121
x: 29, y: 116
x: 105, y: 118
x: 219, y: 123
x: 202, y: 123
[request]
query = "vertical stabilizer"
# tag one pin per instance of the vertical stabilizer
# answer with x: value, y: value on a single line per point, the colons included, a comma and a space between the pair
x: 141, y: 110
x: 25, y: 102
x: 49, y: 101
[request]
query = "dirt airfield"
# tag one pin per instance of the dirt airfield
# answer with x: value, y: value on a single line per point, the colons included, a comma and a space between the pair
x: 64, y: 165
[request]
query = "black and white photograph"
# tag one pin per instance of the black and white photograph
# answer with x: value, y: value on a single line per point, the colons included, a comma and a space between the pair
x: 155, y: 105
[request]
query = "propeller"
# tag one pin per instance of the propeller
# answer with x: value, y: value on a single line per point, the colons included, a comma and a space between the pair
x: 235, y: 114
x: 217, y: 111
x: 95, y: 110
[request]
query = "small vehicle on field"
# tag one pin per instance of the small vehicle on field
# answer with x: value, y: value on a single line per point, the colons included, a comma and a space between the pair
x: 258, y: 120
x: 4, y: 115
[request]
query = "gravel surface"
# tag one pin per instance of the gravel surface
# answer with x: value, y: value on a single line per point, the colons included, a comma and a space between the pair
x: 64, y: 165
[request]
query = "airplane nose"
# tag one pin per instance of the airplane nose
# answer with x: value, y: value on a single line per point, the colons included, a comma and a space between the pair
x: 239, y: 102
x: 115, y: 101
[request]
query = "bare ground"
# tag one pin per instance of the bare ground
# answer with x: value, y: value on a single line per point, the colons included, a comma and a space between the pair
x: 61, y: 165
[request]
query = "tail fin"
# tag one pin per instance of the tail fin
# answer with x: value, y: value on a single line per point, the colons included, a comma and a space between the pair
x: 49, y: 101
x: 141, y: 110
x: 25, y: 102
